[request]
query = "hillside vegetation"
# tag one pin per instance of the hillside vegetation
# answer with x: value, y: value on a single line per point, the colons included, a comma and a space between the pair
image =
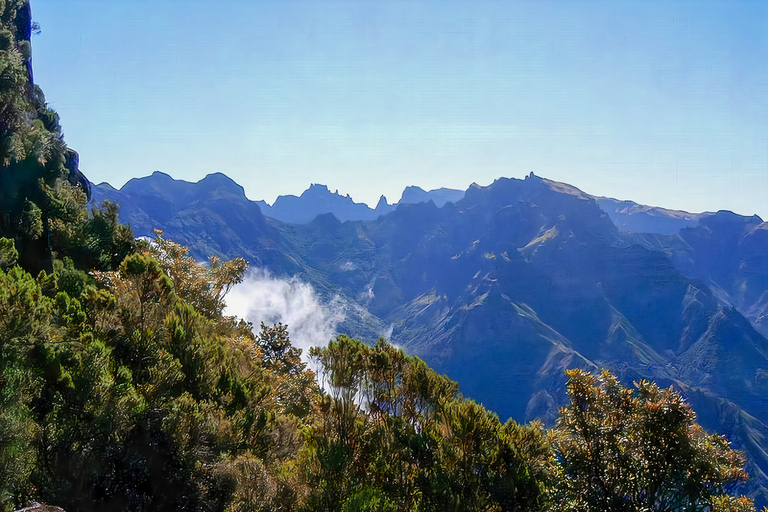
x: 123, y: 386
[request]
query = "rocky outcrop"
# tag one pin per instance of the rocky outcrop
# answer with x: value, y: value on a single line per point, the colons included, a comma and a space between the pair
x: 40, y: 507
x: 75, y: 176
x: 23, y: 35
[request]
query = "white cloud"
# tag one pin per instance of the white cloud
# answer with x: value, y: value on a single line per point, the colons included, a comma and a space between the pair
x: 264, y: 298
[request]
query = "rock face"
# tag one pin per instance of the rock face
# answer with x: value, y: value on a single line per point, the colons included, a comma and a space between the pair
x: 24, y: 33
x: 515, y: 282
x: 40, y: 507
x: 76, y: 177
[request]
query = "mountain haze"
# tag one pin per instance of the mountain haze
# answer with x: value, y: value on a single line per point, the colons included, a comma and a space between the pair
x: 318, y: 200
x: 638, y: 218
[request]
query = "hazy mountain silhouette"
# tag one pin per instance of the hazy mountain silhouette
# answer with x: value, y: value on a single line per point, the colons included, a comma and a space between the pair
x: 440, y: 196
x: 639, y: 218
x: 318, y: 200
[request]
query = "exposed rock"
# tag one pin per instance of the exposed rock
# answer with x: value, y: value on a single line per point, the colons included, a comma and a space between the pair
x: 40, y: 507
x: 76, y: 177
x: 24, y: 34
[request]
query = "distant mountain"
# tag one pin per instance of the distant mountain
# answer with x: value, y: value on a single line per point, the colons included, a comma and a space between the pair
x: 638, y: 218
x: 318, y: 200
x: 508, y: 286
x: 726, y: 250
x: 440, y: 196
x: 212, y: 216
x: 519, y: 280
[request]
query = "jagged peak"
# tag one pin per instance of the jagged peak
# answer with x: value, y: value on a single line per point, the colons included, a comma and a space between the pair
x: 318, y: 187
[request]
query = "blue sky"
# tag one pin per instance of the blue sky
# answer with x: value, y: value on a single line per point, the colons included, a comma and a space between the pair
x: 662, y: 102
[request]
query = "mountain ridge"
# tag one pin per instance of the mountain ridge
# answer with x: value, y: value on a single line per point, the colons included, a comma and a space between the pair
x: 315, y: 200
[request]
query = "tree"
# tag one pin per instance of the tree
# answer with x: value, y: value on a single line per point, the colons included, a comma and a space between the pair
x: 639, y: 449
x: 202, y: 286
x: 8, y: 254
x: 395, y: 435
x: 25, y: 324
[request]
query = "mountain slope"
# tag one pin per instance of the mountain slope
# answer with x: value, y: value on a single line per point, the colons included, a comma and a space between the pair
x: 521, y: 279
x: 638, y: 218
x: 212, y: 217
x: 729, y: 252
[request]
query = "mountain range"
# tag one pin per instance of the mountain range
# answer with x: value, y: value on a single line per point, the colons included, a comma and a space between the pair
x: 168, y: 195
x: 317, y: 200
x: 503, y: 287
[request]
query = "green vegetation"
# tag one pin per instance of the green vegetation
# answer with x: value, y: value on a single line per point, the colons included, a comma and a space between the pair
x: 394, y: 435
x: 124, y: 387
x: 118, y: 393
x: 127, y: 389
x: 638, y: 449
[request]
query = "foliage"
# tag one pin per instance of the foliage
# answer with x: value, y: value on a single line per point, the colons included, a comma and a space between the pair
x: 95, y: 239
x: 25, y: 316
x: 40, y: 207
x: 204, y: 287
x: 397, y: 436
x: 8, y: 254
x: 32, y: 150
x: 637, y: 449
x: 116, y: 392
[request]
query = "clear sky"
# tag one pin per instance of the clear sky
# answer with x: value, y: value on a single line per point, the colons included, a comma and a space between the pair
x: 662, y: 102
